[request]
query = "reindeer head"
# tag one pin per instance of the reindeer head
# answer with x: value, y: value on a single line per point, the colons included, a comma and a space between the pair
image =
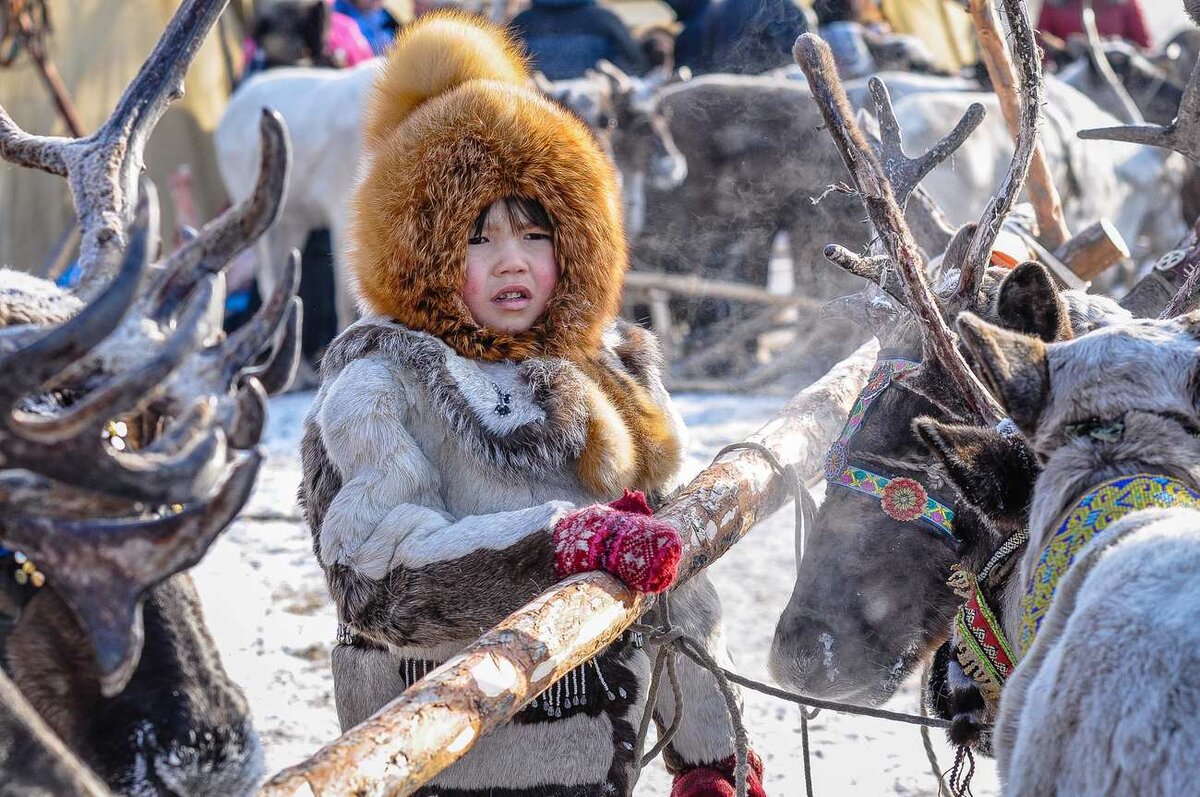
x: 629, y: 123
x: 870, y: 598
x: 1119, y: 399
x: 112, y: 527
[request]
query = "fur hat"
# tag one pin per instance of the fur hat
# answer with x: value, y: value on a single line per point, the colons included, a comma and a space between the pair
x: 453, y: 125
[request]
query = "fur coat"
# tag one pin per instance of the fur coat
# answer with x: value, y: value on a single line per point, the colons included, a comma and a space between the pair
x: 439, y: 454
x: 431, y: 485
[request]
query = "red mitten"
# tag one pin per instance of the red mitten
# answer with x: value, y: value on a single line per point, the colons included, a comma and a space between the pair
x: 716, y: 780
x: 622, y: 538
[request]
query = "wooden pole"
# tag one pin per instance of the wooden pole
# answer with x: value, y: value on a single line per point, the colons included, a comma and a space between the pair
x: 698, y: 287
x: 437, y: 720
x: 1046, y: 203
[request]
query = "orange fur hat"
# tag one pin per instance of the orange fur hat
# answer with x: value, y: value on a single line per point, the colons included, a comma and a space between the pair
x: 453, y: 125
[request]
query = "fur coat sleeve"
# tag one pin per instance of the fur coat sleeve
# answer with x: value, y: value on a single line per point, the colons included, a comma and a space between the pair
x: 401, y: 569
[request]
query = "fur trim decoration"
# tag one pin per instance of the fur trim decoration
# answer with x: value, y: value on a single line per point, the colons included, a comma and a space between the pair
x: 448, y: 139
x: 612, y: 419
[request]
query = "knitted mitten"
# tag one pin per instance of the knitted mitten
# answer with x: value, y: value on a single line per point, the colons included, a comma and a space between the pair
x: 716, y: 780
x: 621, y: 538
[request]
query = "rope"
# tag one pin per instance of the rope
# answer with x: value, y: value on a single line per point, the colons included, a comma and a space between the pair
x: 926, y: 741
x: 960, y: 781
x: 672, y: 640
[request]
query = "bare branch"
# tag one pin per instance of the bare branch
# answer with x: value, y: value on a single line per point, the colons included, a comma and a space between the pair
x: 1024, y: 121
x: 1182, y: 135
x: 814, y: 57
x: 906, y: 173
x: 102, y: 568
x: 440, y: 718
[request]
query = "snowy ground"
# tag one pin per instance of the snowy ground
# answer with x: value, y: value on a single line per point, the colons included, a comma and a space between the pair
x: 273, y: 621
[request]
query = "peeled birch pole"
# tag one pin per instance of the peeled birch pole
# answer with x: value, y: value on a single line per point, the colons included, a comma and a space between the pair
x: 1047, y: 205
x: 437, y: 720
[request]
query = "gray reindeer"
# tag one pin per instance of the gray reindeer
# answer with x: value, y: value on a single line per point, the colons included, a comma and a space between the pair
x: 871, y: 599
x: 1104, y: 598
x: 111, y: 680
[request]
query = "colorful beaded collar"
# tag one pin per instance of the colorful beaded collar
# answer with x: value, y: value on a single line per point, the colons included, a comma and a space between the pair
x: 981, y: 647
x: 900, y: 497
x: 1096, y: 511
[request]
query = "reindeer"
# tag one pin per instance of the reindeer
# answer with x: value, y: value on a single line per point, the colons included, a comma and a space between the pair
x: 870, y: 599
x: 323, y: 109
x: 863, y: 614
x: 110, y: 677
x: 1105, y: 583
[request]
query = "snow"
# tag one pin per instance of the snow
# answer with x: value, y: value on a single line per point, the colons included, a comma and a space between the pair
x: 270, y: 615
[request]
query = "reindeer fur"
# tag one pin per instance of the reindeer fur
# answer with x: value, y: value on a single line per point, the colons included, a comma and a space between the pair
x: 1080, y: 715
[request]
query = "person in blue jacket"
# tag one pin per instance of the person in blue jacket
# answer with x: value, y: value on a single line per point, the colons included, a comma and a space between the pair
x: 690, y: 46
x: 565, y: 38
x: 377, y: 24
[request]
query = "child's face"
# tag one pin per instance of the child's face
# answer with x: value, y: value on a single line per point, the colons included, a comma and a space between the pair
x: 511, y: 273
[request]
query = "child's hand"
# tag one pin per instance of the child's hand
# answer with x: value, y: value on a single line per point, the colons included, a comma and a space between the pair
x: 621, y: 538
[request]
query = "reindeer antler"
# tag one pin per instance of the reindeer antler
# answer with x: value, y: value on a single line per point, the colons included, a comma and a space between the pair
x: 903, y: 172
x: 875, y: 191
x: 102, y: 568
x: 1182, y: 135
x: 235, y: 229
x: 104, y: 524
x: 1029, y: 63
x: 103, y: 168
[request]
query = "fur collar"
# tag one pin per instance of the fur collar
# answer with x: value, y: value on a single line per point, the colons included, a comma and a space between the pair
x: 609, y: 416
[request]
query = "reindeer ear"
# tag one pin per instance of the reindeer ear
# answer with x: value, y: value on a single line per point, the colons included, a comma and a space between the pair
x: 992, y: 471
x: 1014, y: 366
x: 316, y: 27
x: 1028, y: 301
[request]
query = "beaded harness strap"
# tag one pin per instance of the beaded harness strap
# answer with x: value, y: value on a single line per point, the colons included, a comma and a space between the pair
x: 900, y: 497
x: 982, y: 648
x: 1097, y: 510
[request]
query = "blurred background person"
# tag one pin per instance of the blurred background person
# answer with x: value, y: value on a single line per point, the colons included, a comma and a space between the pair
x: 375, y: 22
x: 749, y: 37
x: 565, y: 38
x: 302, y: 33
x: 943, y: 29
x: 1122, y: 19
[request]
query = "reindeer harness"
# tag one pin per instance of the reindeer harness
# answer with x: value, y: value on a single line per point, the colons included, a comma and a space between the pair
x: 1098, y: 509
x: 901, y: 498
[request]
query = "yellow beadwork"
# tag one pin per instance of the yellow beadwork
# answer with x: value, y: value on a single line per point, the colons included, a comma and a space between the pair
x: 1096, y: 511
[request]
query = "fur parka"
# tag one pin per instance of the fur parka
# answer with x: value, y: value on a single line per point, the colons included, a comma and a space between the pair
x: 438, y: 455
x: 432, y: 484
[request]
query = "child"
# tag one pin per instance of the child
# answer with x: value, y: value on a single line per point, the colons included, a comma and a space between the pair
x: 470, y: 427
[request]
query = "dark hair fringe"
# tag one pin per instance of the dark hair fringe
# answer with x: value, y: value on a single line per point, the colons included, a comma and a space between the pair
x: 521, y: 211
